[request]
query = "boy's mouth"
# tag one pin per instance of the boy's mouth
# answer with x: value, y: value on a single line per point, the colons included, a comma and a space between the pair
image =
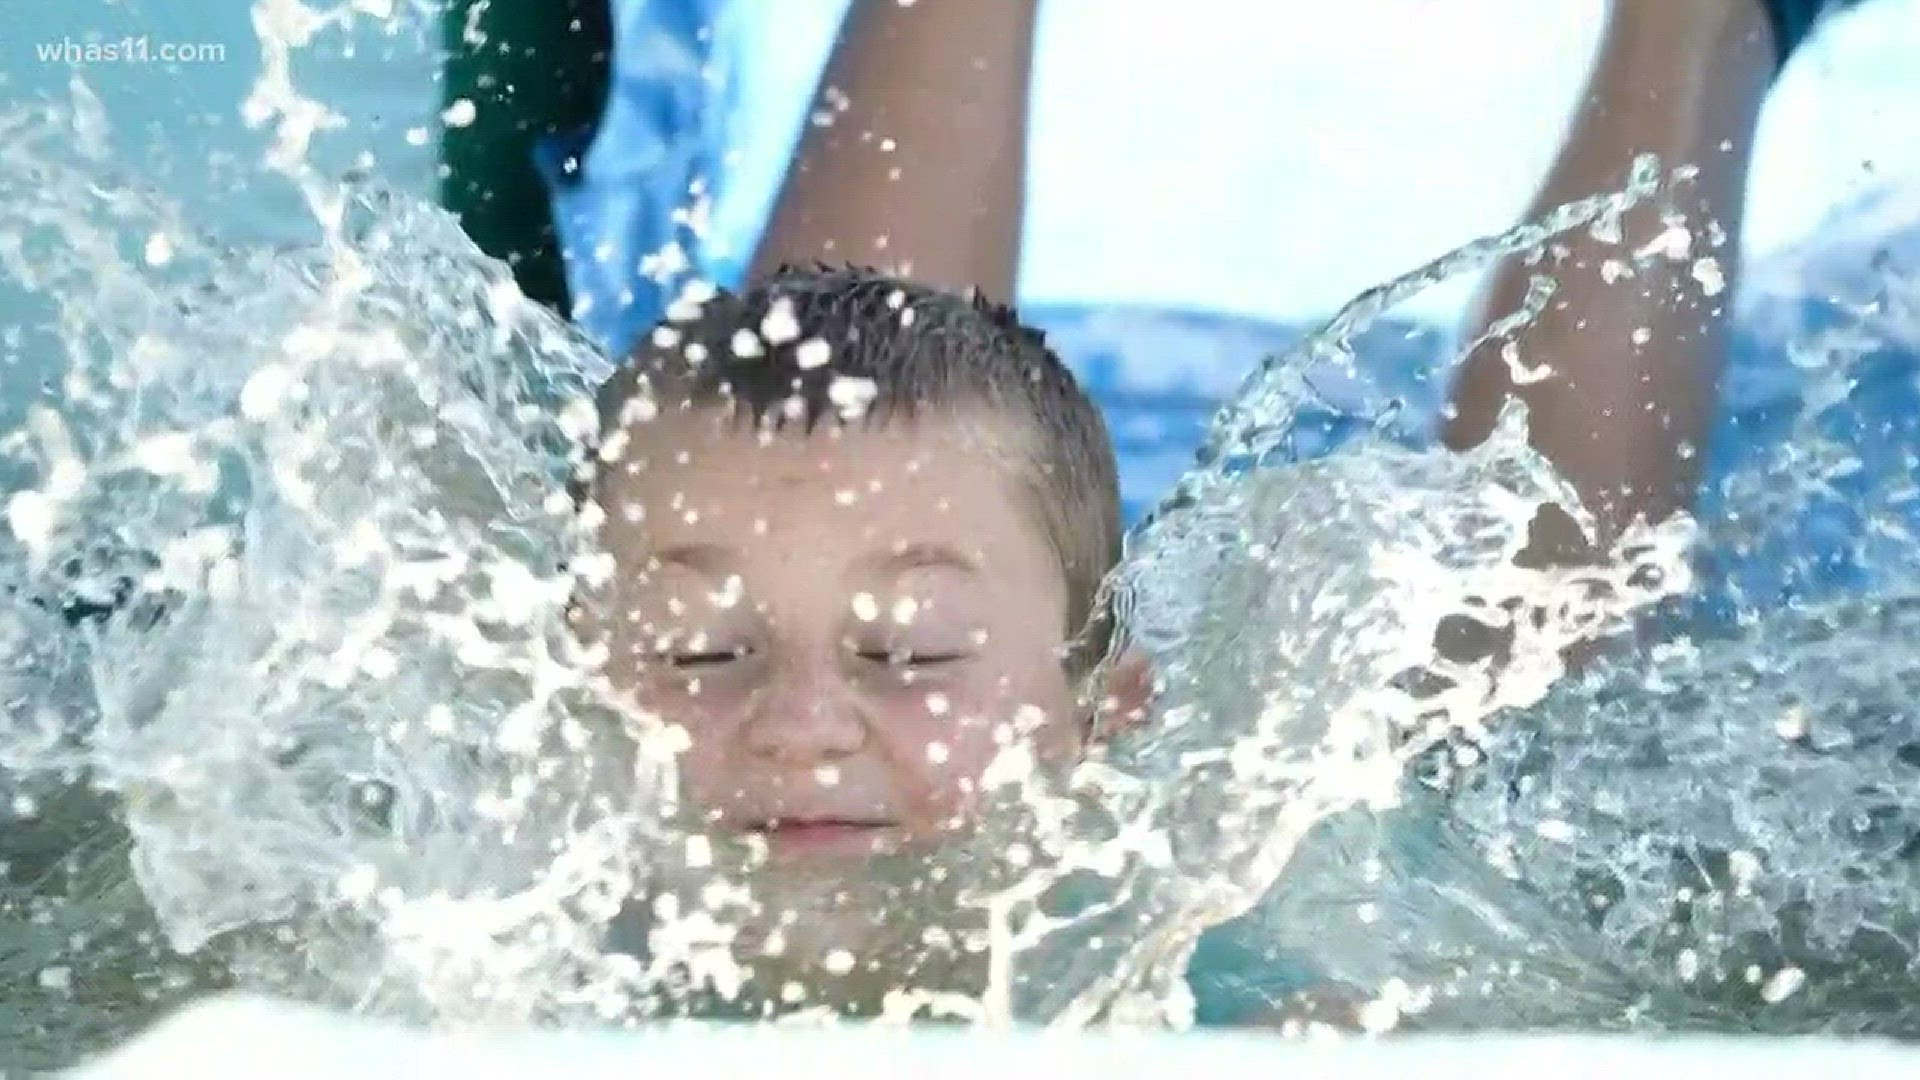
x: 827, y: 836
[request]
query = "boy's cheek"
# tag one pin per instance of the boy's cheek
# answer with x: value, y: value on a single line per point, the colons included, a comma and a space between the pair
x: 703, y: 781
x: 699, y: 704
x: 951, y: 763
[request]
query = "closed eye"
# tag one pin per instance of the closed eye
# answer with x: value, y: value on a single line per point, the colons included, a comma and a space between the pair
x: 687, y: 661
x: 911, y: 657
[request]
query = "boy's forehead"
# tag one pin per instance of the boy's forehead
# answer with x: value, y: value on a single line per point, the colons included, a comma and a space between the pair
x: 917, y: 484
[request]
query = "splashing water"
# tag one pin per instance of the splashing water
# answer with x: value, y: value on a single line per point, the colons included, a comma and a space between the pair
x: 319, y: 494
x: 291, y: 698
x: 1294, y: 616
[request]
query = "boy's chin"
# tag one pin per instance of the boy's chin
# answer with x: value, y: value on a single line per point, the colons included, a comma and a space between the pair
x: 882, y: 892
x: 848, y: 963
x: 840, y: 937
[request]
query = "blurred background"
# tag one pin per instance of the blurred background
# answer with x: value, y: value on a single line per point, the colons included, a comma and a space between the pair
x: 1206, y: 180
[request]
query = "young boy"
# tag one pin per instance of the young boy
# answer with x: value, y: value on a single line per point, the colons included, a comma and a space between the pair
x: 860, y: 527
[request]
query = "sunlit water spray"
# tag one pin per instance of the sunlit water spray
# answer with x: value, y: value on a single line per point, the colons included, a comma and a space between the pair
x: 1294, y: 615
x: 291, y: 697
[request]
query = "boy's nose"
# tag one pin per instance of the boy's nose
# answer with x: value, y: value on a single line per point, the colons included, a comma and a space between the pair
x: 806, y: 722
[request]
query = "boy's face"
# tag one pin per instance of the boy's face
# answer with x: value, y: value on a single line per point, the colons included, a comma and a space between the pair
x: 848, y: 623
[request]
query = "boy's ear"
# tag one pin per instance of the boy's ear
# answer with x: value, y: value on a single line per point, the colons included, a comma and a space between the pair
x: 1126, y: 695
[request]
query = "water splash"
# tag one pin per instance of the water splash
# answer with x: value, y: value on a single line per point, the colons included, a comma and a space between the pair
x: 1301, y: 621
x: 309, y: 513
x: 288, y: 569
x: 289, y: 547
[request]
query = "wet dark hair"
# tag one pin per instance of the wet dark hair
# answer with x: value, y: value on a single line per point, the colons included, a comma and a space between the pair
x: 855, y: 345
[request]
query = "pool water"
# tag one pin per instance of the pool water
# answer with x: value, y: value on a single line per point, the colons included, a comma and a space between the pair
x: 291, y: 699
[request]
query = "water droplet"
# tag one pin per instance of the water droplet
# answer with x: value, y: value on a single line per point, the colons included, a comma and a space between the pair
x: 1782, y: 985
x: 812, y: 353
x: 780, y: 326
x: 460, y: 114
x: 159, y: 251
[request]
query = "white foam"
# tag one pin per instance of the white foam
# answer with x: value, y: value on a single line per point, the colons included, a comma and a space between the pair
x: 241, y: 1036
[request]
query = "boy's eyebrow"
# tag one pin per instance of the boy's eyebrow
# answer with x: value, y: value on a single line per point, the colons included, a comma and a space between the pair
x: 922, y: 555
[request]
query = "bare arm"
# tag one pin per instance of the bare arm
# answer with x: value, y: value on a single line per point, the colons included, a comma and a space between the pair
x: 1635, y: 360
x: 921, y: 169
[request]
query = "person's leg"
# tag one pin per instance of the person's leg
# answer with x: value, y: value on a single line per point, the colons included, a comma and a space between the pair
x: 1626, y: 353
x: 530, y: 69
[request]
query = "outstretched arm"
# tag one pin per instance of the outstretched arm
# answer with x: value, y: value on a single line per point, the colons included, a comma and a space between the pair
x: 1634, y: 356
x: 919, y: 164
